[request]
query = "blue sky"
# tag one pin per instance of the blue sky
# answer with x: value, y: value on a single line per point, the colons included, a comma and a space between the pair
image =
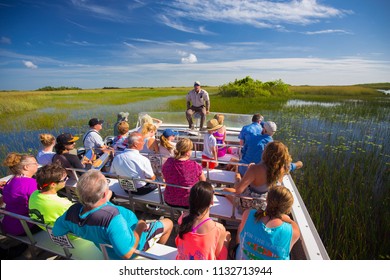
x: 96, y: 43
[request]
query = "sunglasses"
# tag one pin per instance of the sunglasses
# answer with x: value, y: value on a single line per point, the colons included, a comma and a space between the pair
x: 60, y: 181
x: 63, y: 180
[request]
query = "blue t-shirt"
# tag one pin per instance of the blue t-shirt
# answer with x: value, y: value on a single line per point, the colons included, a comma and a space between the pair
x: 251, y: 135
x: 258, y: 242
x: 254, y: 144
x: 107, y: 224
x: 44, y: 158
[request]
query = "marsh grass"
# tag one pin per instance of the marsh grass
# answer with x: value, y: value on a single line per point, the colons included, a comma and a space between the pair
x: 345, y: 179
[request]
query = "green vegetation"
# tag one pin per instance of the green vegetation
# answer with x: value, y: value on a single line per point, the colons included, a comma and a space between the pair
x: 344, y: 145
x: 14, y: 102
x: 384, y: 86
x: 248, y: 87
x: 332, y: 93
x: 49, y: 88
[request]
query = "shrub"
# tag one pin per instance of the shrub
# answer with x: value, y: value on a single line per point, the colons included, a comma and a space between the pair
x: 49, y: 88
x: 248, y: 87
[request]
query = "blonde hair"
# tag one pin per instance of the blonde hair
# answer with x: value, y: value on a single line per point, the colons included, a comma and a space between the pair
x: 148, y: 127
x: 145, y: 119
x: 182, y: 147
x: 220, y: 118
x: 123, y: 127
x: 275, y: 157
x: 279, y: 202
x: 15, y: 162
x: 166, y: 143
x: 47, y: 139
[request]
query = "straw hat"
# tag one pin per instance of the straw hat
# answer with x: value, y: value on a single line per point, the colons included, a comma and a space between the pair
x: 213, y: 125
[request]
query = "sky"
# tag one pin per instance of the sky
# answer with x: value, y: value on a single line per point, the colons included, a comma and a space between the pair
x: 149, y: 43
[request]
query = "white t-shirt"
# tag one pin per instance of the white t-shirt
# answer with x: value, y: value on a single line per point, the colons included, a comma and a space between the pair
x: 131, y: 163
x: 93, y: 140
x: 209, y: 142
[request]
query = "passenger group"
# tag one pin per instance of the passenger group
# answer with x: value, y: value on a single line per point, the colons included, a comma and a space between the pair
x: 266, y: 230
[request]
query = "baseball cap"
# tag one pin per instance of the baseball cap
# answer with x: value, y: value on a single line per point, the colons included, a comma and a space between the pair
x: 197, y: 83
x: 95, y: 121
x: 122, y: 116
x: 270, y: 127
x: 169, y: 132
x: 66, y: 138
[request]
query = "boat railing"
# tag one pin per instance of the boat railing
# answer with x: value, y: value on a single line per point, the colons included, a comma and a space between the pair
x: 225, y: 208
x: 72, y: 247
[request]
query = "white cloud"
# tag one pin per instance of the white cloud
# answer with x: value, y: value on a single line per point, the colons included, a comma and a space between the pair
x: 258, y: 13
x: 81, y: 43
x: 129, y: 45
x: 199, y: 45
x: 293, y: 70
x: 191, y: 58
x: 328, y: 31
x: 176, y: 24
x: 5, y: 40
x: 116, y: 12
x: 29, y: 64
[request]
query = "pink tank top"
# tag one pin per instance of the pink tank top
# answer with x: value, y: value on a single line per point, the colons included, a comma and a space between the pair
x: 196, y: 246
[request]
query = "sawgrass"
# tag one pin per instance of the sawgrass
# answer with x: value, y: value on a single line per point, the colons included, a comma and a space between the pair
x: 344, y: 146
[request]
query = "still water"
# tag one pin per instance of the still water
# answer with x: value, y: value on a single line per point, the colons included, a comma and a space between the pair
x: 20, y: 133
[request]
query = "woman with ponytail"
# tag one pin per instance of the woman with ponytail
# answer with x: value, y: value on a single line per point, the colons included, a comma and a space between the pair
x: 200, y: 237
x: 268, y: 234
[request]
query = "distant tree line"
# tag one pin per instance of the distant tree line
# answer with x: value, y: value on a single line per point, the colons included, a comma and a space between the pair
x: 376, y: 85
x: 249, y: 87
x: 49, y: 88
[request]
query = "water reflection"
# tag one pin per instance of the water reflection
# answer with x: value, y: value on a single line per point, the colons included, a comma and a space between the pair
x: 385, y: 91
x: 299, y: 103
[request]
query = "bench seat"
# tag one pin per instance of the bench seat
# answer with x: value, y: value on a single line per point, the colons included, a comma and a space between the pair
x: 82, y: 249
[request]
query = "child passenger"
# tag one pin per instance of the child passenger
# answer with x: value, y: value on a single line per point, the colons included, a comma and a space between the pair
x: 200, y: 237
x: 220, y: 135
x: 210, y: 150
x: 167, y: 146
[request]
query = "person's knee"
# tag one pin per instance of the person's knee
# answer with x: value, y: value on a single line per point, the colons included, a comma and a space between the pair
x: 168, y: 225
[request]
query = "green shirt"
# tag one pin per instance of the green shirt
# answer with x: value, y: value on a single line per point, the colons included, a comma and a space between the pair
x: 47, y: 208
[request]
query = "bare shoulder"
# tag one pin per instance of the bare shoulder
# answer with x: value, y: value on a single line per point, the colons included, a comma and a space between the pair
x: 220, y: 226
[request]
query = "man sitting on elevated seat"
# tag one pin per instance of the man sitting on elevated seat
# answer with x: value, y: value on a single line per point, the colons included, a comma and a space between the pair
x: 198, y: 101
x: 100, y: 221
